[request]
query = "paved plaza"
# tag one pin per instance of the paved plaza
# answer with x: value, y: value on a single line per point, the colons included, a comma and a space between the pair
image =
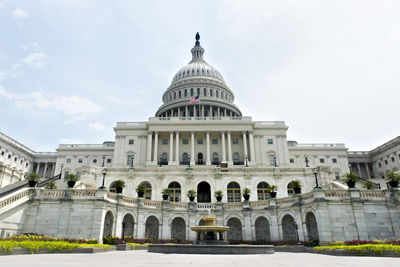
x: 144, y: 258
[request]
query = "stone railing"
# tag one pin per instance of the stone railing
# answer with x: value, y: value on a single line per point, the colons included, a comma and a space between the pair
x: 307, y: 196
x: 372, y: 194
x: 285, y: 200
x: 152, y: 203
x: 25, y: 193
x: 257, y: 204
x: 52, y: 193
x: 178, y: 205
x: 205, y: 206
x: 233, y: 205
x: 337, y: 193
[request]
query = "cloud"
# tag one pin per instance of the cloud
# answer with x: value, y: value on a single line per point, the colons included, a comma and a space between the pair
x: 98, y: 127
x: 73, y: 107
x: 19, y: 13
x: 35, y: 60
x: 3, y: 75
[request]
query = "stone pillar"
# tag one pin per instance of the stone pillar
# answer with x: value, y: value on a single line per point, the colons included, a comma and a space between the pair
x: 155, y: 147
x: 251, y: 141
x: 218, y: 112
x: 149, y: 141
x: 247, y: 233
x: 177, y: 148
x: 179, y: 112
x: 45, y: 171
x: 210, y: 111
x: 224, y: 112
x: 37, y: 167
x: 202, y: 111
x: 229, y: 149
x: 194, y: 111
x: 244, y: 145
x: 208, y: 161
x: 186, y: 112
x: 359, y: 170
x: 223, y: 147
x: 192, y: 156
x: 368, y: 172
x: 171, y: 148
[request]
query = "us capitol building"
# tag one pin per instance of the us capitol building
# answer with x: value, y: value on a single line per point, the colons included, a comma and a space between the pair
x: 199, y: 140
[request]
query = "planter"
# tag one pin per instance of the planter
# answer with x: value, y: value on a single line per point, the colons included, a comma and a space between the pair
x: 191, y: 198
x: 351, y: 184
x: 297, y: 190
x: 32, y: 183
x: 139, y: 194
x: 71, y: 184
x: 165, y: 197
x: 246, y: 197
x: 219, y: 199
x: 273, y: 194
x: 119, y: 190
x: 393, y: 183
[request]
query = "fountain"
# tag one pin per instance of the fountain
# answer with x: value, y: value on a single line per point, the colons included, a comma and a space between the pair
x: 210, y: 234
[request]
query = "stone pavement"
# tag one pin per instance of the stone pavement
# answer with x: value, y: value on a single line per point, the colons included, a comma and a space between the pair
x: 144, y: 258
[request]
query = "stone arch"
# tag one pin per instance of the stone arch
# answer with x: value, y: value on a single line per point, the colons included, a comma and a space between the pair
x: 235, y: 229
x: 128, y: 224
x: 289, y: 228
x: 312, y: 227
x: 204, y: 192
x: 108, y: 224
x: 178, y: 229
x: 151, y: 228
x: 262, y: 229
x: 202, y: 222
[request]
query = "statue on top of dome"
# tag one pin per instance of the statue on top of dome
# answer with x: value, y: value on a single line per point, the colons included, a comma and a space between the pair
x: 197, y: 39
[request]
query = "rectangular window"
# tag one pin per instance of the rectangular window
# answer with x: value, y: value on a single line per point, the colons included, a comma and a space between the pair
x: 235, y: 141
x: 68, y: 160
x: 291, y: 160
x: 131, y: 141
x: 80, y: 160
x: 130, y: 160
x: 199, y: 141
x: 108, y: 160
x: 214, y: 141
x: 271, y: 160
x: 321, y: 160
x: 198, y: 91
x: 334, y: 160
x: 180, y: 94
x: 185, y: 92
x: 337, y: 176
x: 2, y: 153
x: 270, y: 141
x: 174, y: 95
x: 164, y: 141
x: 66, y: 173
x: 185, y: 141
x: 191, y: 91
x: 205, y: 92
x: 211, y: 93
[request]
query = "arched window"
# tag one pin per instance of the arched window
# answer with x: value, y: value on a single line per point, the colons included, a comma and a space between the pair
x: 215, y: 158
x: 148, y: 190
x: 233, y: 192
x: 262, y: 191
x: 236, y: 158
x: 175, y: 189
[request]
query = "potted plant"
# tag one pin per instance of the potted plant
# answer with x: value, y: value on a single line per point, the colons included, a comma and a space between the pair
x: 368, y: 185
x: 118, y: 185
x: 393, y: 179
x: 246, y: 193
x: 71, y: 180
x: 51, y: 185
x: 272, y: 190
x: 33, y: 179
x: 165, y: 193
x: 141, y: 190
x: 296, y: 185
x: 191, y: 194
x: 350, y: 179
x: 218, y: 195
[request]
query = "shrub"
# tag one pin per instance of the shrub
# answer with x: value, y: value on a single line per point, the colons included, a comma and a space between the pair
x: 71, y: 177
x: 115, y: 240
x: 33, y: 177
x: 350, y: 177
x: 392, y: 176
x: 375, y: 248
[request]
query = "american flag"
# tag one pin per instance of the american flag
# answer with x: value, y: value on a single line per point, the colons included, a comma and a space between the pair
x: 195, y: 99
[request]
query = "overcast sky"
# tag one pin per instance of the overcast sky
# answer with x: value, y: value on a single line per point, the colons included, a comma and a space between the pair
x: 69, y: 70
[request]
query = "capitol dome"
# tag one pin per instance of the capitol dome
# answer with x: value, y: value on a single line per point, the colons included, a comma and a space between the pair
x: 198, y: 90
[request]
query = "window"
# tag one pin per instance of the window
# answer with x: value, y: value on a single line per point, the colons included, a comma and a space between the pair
x: 321, y: 160
x: 174, y: 95
x: 164, y: 141
x: 215, y: 158
x: 392, y: 159
x: 334, y: 160
x: 216, y: 93
x: 205, y: 91
x: 199, y: 141
x: 175, y: 192
x: 215, y: 142
x: 2, y: 153
x: 21, y: 161
x: 131, y: 141
x: 337, y: 175
x: 66, y: 173
x: 27, y: 164
x: 211, y: 92
x: 191, y: 91
x: 291, y: 160
x: 185, y: 93
x: 68, y: 160
x: 233, y: 192
x: 130, y: 160
x: 198, y: 91
x: 236, y: 158
x: 9, y: 156
x: 270, y: 141
x: 185, y: 158
x: 180, y: 94
x: 15, y: 159
x: 235, y: 141
x: 108, y: 160
x: 147, y: 194
x: 185, y: 141
x: 386, y: 162
x: 380, y: 164
x: 262, y: 191
x: 271, y: 160
x: 94, y: 160
x: 80, y: 160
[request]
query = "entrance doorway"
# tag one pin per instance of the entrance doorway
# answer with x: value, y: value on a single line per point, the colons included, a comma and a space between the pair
x: 203, y: 192
x: 200, y: 159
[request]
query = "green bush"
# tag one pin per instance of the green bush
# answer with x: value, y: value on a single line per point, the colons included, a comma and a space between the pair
x: 378, y: 249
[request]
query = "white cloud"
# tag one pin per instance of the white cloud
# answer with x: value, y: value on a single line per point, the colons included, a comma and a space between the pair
x: 3, y: 75
x: 73, y: 107
x: 19, y: 13
x: 35, y: 59
x: 98, y: 127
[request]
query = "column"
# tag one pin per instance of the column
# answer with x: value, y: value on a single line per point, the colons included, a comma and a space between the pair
x: 177, y: 148
x: 155, y: 147
x: 149, y: 141
x: 186, y: 112
x: 359, y: 170
x: 224, y: 112
x: 229, y: 149
x: 210, y: 111
x: 194, y: 111
x: 179, y: 112
x: 244, y: 145
x: 202, y: 111
x: 37, y: 167
x: 192, y: 156
x: 45, y: 170
x: 208, y: 161
x: 251, y: 143
x: 368, y: 172
x: 219, y: 114
x: 223, y: 147
x: 171, y: 148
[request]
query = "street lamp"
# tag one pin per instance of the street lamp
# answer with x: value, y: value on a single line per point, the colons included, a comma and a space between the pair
x: 316, y: 171
x: 104, y: 157
x: 160, y: 160
x: 132, y: 158
x: 297, y: 232
x: 275, y: 165
x: 104, y: 177
x: 217, y: 157
x: 245, y: 158
x: 62, y: 166
x: 306, y: 159
x: 188, y: 161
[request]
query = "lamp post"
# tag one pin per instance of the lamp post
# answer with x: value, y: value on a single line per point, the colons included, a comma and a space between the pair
x: 132, y: 158
x: 245, y: 158
x: 217, y: 157
x: 188, y: 161
x: 160, y: 160
x: 104, y: 158
x: 275, y: 165
x: 316, y: 171
x: 62, y: 166
x: 104, y: 177
x: 306, y: 159
x: 297, y: 232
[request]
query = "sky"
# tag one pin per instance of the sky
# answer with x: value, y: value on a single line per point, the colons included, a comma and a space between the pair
x: 70, y: 70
